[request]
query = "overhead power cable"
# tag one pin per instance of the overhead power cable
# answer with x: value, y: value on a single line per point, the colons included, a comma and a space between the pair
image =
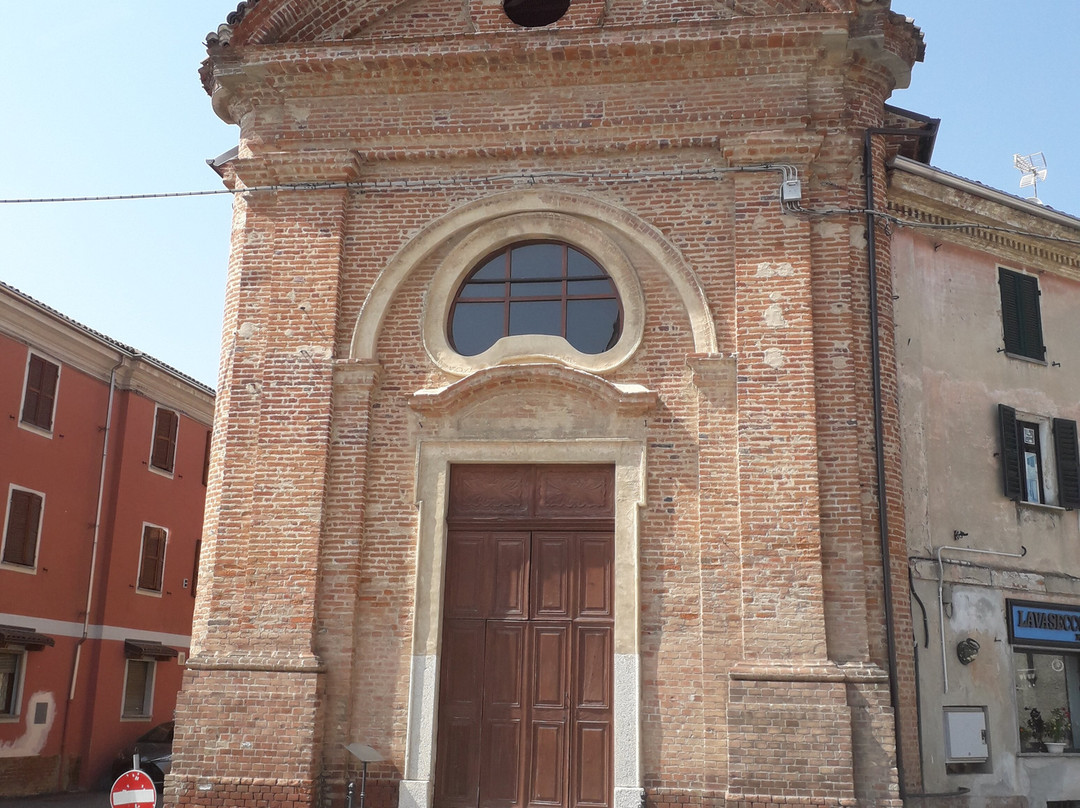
x: 787, y: 172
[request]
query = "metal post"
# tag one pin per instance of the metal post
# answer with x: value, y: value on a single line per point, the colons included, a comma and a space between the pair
x: 349, y: 793
x: 363, y: 784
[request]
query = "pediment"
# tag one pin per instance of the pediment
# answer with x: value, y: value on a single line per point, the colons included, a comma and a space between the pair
x: 262, y: 22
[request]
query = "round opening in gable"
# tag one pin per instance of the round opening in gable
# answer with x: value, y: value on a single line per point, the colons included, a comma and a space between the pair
x: 535, y: 13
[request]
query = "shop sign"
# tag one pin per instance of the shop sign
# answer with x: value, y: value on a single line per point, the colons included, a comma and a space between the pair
x: 1048, y: 624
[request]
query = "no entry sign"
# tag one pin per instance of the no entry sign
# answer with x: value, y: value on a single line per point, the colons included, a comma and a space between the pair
x: 133, y: 789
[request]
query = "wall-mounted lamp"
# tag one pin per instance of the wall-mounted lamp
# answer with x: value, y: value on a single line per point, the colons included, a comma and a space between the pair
x: 967, y: 650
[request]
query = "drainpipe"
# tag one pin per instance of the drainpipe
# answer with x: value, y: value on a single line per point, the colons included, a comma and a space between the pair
x: 879, y: 429
x: 93, y: 567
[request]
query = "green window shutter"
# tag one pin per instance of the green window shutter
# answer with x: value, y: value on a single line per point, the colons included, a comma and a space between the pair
x: 1067, y: 457
x: 1010, y: 453
x: 1021, y: 318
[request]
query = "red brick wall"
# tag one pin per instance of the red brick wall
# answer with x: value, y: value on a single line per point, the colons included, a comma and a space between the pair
x: 761, y: 638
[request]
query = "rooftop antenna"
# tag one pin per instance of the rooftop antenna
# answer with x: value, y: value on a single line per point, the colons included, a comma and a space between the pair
x: 1033, y: 167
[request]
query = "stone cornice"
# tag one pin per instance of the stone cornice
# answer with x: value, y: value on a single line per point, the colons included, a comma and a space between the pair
x: 1014, y: 230
x: 231, y: 74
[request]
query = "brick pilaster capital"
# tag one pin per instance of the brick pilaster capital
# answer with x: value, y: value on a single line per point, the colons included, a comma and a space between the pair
x: 287, y: 167
x: 358, y: 375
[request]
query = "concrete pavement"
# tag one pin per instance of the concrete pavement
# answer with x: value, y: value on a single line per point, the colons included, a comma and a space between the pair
x: 80, y: 799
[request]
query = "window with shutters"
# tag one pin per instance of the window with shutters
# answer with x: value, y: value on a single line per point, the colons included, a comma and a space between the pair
x: 1040, y: 459
x: 1021, y: 319
x: 138, y: 689
x: 152, y: 558
x: 22, y: 528
x: 39, y: 394
x: 163, y: 449
x: 11, y: 668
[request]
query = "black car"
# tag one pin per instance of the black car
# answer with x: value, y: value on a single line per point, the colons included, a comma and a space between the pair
x: 155, y: 755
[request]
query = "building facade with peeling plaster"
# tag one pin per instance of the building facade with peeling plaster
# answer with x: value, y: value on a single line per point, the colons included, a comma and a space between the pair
x: 986, y: 332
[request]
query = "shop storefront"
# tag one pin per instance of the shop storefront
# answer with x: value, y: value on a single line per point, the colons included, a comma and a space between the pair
x: 1045, y: 641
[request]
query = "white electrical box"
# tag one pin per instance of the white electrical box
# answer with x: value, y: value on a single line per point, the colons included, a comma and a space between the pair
x: 965, y: 735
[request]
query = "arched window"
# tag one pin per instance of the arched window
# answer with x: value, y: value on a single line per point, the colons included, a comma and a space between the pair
x: 536, y: 288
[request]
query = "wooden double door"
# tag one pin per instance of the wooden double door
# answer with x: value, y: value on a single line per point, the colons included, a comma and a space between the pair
x: 526, y: 678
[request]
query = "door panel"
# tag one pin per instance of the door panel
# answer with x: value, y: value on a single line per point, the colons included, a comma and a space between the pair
x: 511, y: 575
x: 547, y: 764
x: 595, y: 579
x: 526, y: 663
x: 593, y: 685
x: 461, y: 690
x: 591, y: 763
x: 551, y: 576
x: 466, y: 595
x: 501, y: 723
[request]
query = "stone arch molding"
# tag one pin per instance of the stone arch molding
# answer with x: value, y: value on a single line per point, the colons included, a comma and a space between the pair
x: 479, y: 227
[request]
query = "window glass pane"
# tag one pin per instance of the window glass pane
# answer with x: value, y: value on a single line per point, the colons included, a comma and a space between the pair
x: 9, y: 672
x: 1042, y: 698
x: 493, y: 269
x: 1031, y: 476
x: 476, y: 327
x: 541, y: 289
x: 536, y: 318
x: 139, y: 680
x: 592, y: 326
x: 549, y: 280
x: 579, y: 265
x: 479, y: 291
x: 537, y: 261
x: 583, y: 288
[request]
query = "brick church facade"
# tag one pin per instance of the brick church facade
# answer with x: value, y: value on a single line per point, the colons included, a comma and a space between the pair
x: 545, y: 454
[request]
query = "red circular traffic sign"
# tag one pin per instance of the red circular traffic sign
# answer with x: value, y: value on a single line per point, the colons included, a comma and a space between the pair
x: 133, y: 789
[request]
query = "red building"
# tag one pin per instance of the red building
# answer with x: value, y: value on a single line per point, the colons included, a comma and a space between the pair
x: 103, y: 455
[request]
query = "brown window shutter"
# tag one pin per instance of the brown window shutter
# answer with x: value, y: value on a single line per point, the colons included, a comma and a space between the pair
x: 24, y: 520
x: 195, y: 570
x: 206, y: 458
x: 152, y: 564
x: 41, y: 376
x: 164, y: 453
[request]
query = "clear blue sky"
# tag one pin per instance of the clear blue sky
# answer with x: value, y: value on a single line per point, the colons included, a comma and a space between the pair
x: 104, y: 98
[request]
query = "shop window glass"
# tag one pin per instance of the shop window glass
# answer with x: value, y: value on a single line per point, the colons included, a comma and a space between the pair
x: 1047, y: 693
